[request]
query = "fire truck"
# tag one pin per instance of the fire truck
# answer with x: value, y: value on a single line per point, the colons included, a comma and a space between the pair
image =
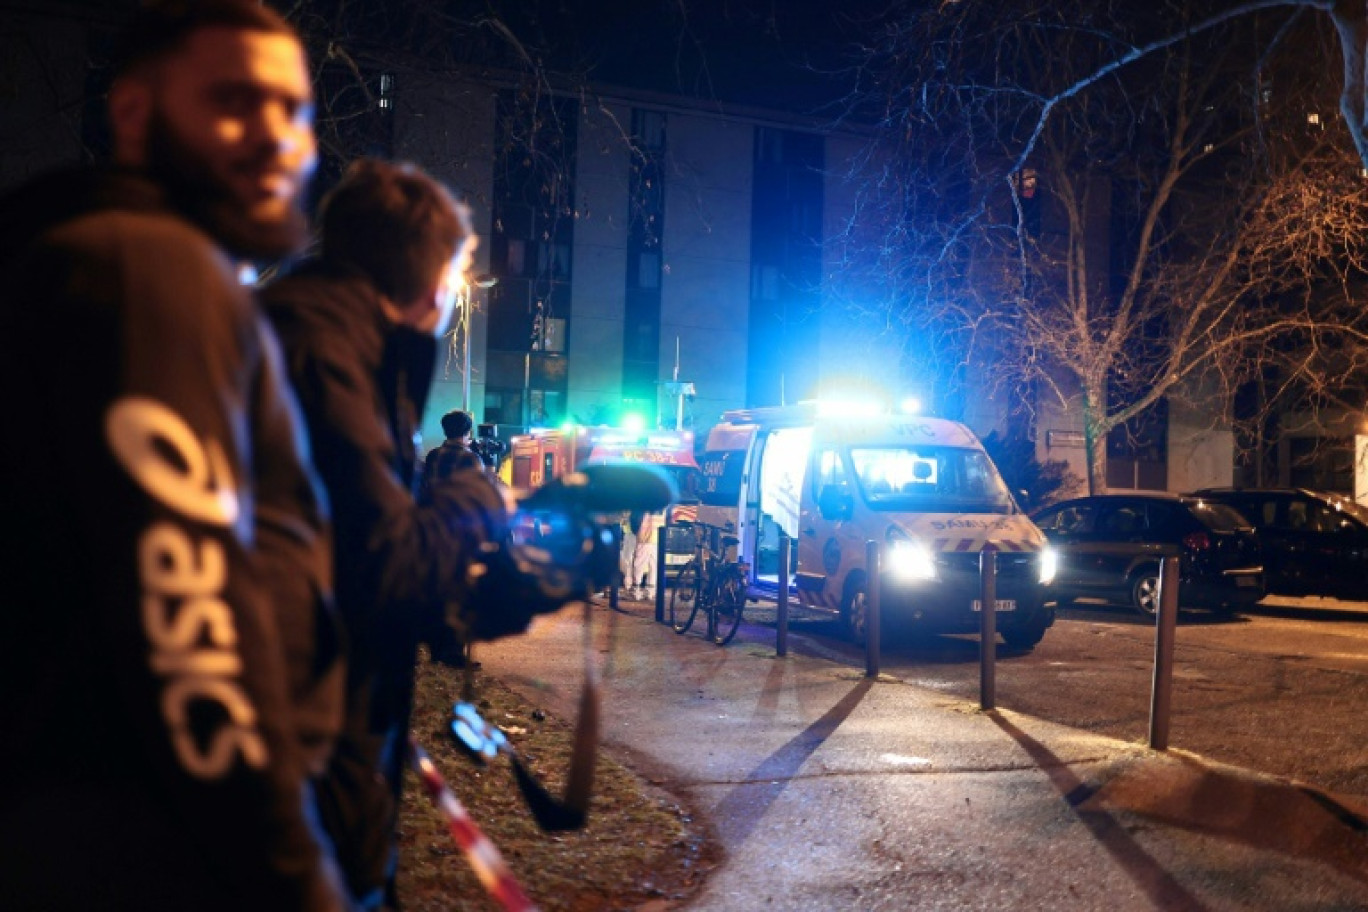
x: 536, y: 458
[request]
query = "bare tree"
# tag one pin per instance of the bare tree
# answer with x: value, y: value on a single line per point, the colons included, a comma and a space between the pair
x: 1061, y: 211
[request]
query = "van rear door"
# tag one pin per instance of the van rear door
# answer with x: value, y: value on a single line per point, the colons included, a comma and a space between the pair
x: 781, y: 471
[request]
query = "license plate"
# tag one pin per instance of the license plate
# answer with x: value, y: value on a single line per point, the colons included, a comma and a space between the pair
x: 999, y: 605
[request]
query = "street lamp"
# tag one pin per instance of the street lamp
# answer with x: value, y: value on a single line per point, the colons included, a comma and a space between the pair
x: 467, y: 288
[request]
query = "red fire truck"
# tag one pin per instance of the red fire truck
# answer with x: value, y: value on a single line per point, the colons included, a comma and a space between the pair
x: 536, y: 458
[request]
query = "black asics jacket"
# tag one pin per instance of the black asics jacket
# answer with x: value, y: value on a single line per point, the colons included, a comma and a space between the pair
x: 163, y: 693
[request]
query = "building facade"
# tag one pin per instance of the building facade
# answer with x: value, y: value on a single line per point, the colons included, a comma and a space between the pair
x: 636, y: 241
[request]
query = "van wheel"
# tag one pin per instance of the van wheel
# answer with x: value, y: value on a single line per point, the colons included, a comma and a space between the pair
x: 1145, y: 591
x: 855, y: 612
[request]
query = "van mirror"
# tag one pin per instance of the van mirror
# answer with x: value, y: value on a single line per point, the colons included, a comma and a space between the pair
x: 835, y: 502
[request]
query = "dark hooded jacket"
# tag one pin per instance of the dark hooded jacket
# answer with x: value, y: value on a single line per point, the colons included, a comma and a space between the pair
x: 401, y: 565
x: 451, y: 456
x: 153, y: 675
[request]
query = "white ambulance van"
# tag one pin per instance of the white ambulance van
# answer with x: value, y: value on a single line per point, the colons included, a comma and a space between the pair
x: 923, y: 487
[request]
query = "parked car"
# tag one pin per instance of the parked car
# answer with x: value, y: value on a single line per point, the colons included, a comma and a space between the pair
x: 1314, y: 543
x: 1109, y: 547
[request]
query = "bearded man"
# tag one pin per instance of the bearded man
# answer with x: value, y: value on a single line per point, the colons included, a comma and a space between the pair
x: 169, y: 673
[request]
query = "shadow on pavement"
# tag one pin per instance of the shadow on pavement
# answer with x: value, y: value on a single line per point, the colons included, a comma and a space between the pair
x: 747, y: 802
x: 1156, y: 883
x: 1265, y: 814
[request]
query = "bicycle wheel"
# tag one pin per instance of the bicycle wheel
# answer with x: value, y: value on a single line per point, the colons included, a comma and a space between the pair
x: 685, y: 597
x: 727, y: 606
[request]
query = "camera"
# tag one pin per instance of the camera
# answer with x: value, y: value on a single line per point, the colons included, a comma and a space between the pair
x: 564, y: 543
x: 488, y: 446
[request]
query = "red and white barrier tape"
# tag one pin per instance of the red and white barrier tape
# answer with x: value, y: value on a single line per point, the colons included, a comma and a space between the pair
x: 482, y: 854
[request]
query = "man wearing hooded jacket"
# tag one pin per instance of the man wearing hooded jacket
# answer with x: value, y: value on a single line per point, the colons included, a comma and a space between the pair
x: 359, y: 326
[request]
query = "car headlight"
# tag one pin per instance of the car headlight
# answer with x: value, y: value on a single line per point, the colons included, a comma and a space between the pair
x: 909, y: 559
x: 1049, y: 565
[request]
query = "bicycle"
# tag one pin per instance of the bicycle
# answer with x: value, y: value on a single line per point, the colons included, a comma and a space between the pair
x: 710, y: 583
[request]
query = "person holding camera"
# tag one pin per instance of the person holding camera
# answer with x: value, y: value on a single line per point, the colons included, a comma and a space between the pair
x: 455, y: 452
x: 359, y: 325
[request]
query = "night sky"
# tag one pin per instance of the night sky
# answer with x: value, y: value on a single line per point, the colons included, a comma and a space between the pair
x: 785, y: 54
x: 771, y: 53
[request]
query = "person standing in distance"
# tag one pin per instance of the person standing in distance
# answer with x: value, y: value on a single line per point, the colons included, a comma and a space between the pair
x: 360, y: 328
x: 455, y: 452
x: 638, y: 562
x: 155, y: 690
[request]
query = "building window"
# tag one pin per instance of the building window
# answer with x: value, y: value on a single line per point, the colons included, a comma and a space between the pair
x: 647, y: 271
x: 764, y: 282
x: 1137, y: 452
x: 530, y: 251
x: 769, y: 146
x: 553, y: 335
x: 648, y: 127
x: 1322, y: 463
x: 645, y: 267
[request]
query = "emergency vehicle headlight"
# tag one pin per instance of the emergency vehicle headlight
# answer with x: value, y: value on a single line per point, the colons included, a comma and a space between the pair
x: 1049, y: 565
x: 908, y: 559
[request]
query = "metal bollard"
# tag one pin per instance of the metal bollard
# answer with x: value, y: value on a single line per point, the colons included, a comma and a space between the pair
x: 1165, y: 627
x: 781, y: 620
x: 662, y: 535
x: 988, y: 627
x: 617, y: 574
x: 873, y: 607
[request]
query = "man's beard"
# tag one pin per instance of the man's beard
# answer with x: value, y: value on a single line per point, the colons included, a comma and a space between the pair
x: 194, y: 190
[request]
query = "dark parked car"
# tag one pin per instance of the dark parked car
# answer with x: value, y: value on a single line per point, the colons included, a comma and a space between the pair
x: 1314, y: 543
x: 1109, y: 547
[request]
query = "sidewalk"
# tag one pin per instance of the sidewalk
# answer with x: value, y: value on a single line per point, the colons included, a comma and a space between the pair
x: 830, y: 791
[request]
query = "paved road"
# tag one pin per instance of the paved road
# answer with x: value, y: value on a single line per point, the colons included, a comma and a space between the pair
x: 1282, y: 688
x: 825, y: 790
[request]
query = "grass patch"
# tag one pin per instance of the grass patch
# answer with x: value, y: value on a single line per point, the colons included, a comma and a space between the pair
x: 640, y: 845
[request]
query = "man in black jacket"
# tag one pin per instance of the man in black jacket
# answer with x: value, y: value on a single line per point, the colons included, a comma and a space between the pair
x: 359, y: 328
x: 167, y: 677
x: 455, y: 452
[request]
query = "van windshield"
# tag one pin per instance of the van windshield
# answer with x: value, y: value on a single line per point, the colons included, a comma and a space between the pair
x: 930, y: 479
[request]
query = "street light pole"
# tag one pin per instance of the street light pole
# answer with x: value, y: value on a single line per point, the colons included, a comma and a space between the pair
x: 465, y: 348
x: 467, y: 304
